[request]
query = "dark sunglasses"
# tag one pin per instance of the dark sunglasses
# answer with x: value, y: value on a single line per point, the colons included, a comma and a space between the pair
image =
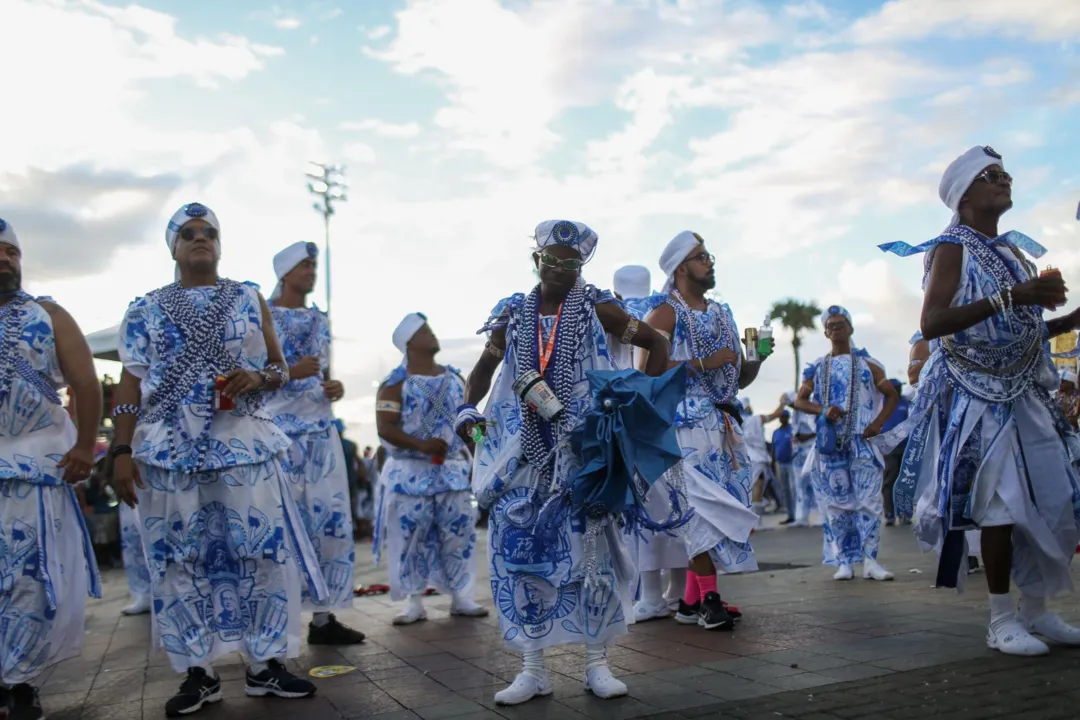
x: 703, y: 257
x: 995, y: 176
x: 570, y: 265
x: 190, y: 234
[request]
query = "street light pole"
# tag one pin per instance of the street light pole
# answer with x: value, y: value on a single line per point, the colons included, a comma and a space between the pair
x: 328, y: 184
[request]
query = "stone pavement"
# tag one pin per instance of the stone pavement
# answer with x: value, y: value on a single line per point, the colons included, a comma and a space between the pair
x: 808, y: 648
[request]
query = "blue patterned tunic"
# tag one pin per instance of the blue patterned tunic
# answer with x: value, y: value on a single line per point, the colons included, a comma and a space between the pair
x: 716, y: 461
x: 427, y: 516
x: 46, y: 562
x: 538, y: 562
x: 224, y: 539
x: 316, y: 459
x: 988, y: 445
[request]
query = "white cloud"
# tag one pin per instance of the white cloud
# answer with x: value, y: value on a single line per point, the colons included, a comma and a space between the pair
x: 379, y: 32
x: 900, y: 20
x: 383, y: 128
x: 359, y: 152
x: 287, y: 23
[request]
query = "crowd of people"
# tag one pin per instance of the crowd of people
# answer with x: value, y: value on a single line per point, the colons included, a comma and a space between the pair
x: 239, y: 495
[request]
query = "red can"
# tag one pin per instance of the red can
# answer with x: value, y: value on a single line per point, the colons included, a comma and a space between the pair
x: 437, y: 460
x: 221, y: 401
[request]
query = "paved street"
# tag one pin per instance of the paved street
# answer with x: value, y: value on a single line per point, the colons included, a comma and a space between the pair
x: 808, y: 648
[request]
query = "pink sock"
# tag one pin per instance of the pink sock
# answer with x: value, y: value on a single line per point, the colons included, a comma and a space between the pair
x: 693, y: 594
x: 707, y: 584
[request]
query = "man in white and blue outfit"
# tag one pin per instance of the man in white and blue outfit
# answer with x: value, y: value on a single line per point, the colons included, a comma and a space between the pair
x: 316, y: 458
x: 848, y: 391
x: 988, y: 447
x: 427, y: 519
x: 47, y: 565
x: 224, y: 539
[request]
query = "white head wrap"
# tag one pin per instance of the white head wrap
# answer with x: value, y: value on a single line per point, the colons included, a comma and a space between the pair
x: 286, y: 260
x: 836, y: 310
x: 191, y: 211
x: 578, y: 236
x: 408, y: 327
x: 961, y: 173
x: 7, y: 234
x: 633, y: 282
x: 1068, y: 376
x: 675, y: 254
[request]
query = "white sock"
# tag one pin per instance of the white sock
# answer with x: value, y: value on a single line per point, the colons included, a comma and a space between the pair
x: 320, y: 619
x: 1001, y: 608
x: 257, y: 667
x: 676, y: 583
x: 1032, y: 607
x: 533, y: 664
x: 650, y: 587
x: 595, y: 657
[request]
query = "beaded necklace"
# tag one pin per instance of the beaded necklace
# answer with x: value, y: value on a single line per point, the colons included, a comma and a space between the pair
x: 202, y: 359
x: 538, y: 437
x: 703, y: 344
x: 826, y: 393
x: 12, y: 362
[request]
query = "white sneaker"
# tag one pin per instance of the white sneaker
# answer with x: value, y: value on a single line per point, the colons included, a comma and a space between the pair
x: 467, y: 608
x: 524, y: 688
x: 603, y: 684
x: 872, y: 570
x: 140, y: 605
x: 644, y: 611
x: 672, y: 604
x: 410, y: 614
x: 1011, y: 638
x: 1051, y: 627
x: 844, y: 573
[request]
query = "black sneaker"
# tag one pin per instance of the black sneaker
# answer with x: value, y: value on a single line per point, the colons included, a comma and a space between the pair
x: 197, y: 689
x: 687, y: 614
x: 23, y: 703
x: 276, y: 680
x: 333, y: 633
x: 713, y: 616
x: 973, y: 564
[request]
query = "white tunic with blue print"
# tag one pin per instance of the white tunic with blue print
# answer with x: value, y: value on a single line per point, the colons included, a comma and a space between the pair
x: 225, y: 542
x: 988, y: 445
x: 538, y: 568
x: 315, y: 459
x: 847, y: 485
x: 427, y: 515
x: 46, y: 562
x: 716, y: 463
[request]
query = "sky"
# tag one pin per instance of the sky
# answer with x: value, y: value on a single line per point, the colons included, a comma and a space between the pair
x: 793, y: 136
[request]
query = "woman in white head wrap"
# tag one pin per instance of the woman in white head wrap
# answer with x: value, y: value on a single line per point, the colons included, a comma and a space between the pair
x: 987, y: 443
x: 316, y: 457
x: 218, y: 516
x: 427, y: 515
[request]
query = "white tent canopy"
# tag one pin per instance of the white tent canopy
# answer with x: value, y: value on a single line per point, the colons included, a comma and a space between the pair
x: 104, y: 343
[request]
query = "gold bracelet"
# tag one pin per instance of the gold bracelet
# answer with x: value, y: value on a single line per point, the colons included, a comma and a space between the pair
x: 630, y: 331
x: 494, y: 351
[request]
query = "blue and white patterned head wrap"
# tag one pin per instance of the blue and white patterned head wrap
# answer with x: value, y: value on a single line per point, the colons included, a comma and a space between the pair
x: 578, y: 236
x: 961, y: 173
x: 7, y: 234
x: 286, y: 260
x: 834, y: 310
x: 187, y: 213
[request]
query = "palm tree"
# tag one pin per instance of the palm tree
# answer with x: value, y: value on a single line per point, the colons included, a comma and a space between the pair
x: 796, y: 316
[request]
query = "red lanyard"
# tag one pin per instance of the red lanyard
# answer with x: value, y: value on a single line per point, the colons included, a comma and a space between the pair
x: 549, y: 347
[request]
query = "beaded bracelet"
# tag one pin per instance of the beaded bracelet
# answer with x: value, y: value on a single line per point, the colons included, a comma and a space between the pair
x: 274, y: 369
x: 125, y: 410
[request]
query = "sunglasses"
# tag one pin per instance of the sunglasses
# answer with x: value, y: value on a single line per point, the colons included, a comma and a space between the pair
x: 190, y: 234
x: 570, y: 265
x: 994, y: 177
x: 703, y: 257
